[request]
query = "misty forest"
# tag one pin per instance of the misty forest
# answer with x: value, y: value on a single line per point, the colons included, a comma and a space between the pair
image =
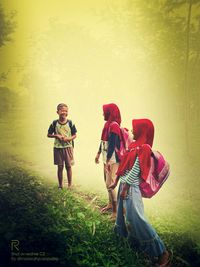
x: 144, y: 56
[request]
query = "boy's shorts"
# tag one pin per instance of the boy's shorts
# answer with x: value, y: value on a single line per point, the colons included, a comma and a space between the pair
x: 63, y: 155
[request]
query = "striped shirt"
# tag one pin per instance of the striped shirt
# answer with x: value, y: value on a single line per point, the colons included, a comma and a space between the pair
x: 131, y: 177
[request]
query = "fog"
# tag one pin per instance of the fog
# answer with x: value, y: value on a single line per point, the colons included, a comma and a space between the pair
x: 90, y: 53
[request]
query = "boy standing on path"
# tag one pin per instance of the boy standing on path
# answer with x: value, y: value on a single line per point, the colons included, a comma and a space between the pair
x: 64, y: 132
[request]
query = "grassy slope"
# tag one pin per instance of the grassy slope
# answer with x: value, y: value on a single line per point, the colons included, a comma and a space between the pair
x: 66, y: 226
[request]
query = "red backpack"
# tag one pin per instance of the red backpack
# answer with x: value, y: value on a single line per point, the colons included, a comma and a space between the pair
x: 158, y: 174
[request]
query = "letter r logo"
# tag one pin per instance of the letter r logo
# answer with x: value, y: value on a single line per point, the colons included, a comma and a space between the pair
x: 14, y: 245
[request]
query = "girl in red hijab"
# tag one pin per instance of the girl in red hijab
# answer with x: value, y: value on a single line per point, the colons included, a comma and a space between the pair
x: 110, y: 140
x: 133, y: 168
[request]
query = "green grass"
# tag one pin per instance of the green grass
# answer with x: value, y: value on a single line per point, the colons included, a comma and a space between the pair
x: 67, y: 229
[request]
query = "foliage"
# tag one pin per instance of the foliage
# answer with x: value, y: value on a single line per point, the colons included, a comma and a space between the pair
x: 62, y: 224
x: 7, y: 26
x: 57, y: 223
x: 9, y: 100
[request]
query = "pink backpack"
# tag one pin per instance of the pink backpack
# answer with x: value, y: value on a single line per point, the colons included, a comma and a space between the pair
x: 125, y: 140
x: 158, y: 174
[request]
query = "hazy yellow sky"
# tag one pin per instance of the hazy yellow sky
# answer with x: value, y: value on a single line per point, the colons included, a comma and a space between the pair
x: 86, y: 53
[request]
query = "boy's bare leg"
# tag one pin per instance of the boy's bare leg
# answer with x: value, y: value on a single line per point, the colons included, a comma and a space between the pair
x: 60, y: 175
x: 69, y: 176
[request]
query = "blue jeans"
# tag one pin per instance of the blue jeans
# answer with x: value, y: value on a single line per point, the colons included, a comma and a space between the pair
x: 134, y: 225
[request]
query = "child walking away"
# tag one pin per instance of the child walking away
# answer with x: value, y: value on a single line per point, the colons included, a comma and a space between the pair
x: 64, y: 132
x: 133, y: 169
x: 110, y: 140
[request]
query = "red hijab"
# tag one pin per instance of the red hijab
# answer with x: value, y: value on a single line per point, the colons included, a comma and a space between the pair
x: 111, y: 114
x: 143, y: 131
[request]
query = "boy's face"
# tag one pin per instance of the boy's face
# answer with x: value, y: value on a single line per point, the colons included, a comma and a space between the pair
x: 62, y: 112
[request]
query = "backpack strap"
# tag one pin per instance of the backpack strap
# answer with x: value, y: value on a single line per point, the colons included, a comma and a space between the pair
x: 54, y: 125
x: 71, y: 126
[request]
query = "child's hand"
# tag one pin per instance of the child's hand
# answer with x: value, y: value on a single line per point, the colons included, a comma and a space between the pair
x: 97, y: 158
x: 112, y: 186
x: 124, y: 191
x: 59, y: 136
x: 65, y: 139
